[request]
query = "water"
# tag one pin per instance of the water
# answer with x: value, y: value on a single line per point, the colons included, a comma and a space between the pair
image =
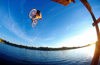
x: 14, y: 55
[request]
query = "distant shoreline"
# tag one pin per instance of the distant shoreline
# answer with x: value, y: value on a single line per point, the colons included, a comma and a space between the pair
x: 42, y: 48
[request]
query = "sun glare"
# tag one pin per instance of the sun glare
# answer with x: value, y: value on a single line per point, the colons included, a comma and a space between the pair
x: 89, y: 50
x: 87, y: 37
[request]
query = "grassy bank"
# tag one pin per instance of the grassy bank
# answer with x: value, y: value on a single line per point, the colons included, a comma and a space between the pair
x: 41, y: 48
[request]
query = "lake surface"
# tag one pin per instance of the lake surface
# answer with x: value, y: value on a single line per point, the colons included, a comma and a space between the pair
x: 15, y: 55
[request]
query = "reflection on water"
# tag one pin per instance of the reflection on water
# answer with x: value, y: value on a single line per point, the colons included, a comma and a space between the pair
x: 89, y: 50
x: 82, y: 56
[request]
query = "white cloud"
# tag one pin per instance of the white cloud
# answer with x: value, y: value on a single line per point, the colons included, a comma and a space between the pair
x: 13, y: 26
x: 49, y: 38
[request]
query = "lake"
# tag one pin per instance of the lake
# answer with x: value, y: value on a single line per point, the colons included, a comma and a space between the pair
x: 14, y: 55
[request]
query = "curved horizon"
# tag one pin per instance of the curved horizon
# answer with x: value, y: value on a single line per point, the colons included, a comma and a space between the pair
x: 42, y: 48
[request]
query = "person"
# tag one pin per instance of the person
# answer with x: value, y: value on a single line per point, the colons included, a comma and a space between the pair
x: 35, y: 15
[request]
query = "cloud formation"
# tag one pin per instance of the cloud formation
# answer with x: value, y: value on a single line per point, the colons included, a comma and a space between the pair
x: 13, y: 26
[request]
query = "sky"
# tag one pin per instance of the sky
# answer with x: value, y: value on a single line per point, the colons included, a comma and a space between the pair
x: 60, y: 26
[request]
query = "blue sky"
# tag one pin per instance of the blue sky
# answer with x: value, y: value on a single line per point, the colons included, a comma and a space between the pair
x: 60, y: 24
